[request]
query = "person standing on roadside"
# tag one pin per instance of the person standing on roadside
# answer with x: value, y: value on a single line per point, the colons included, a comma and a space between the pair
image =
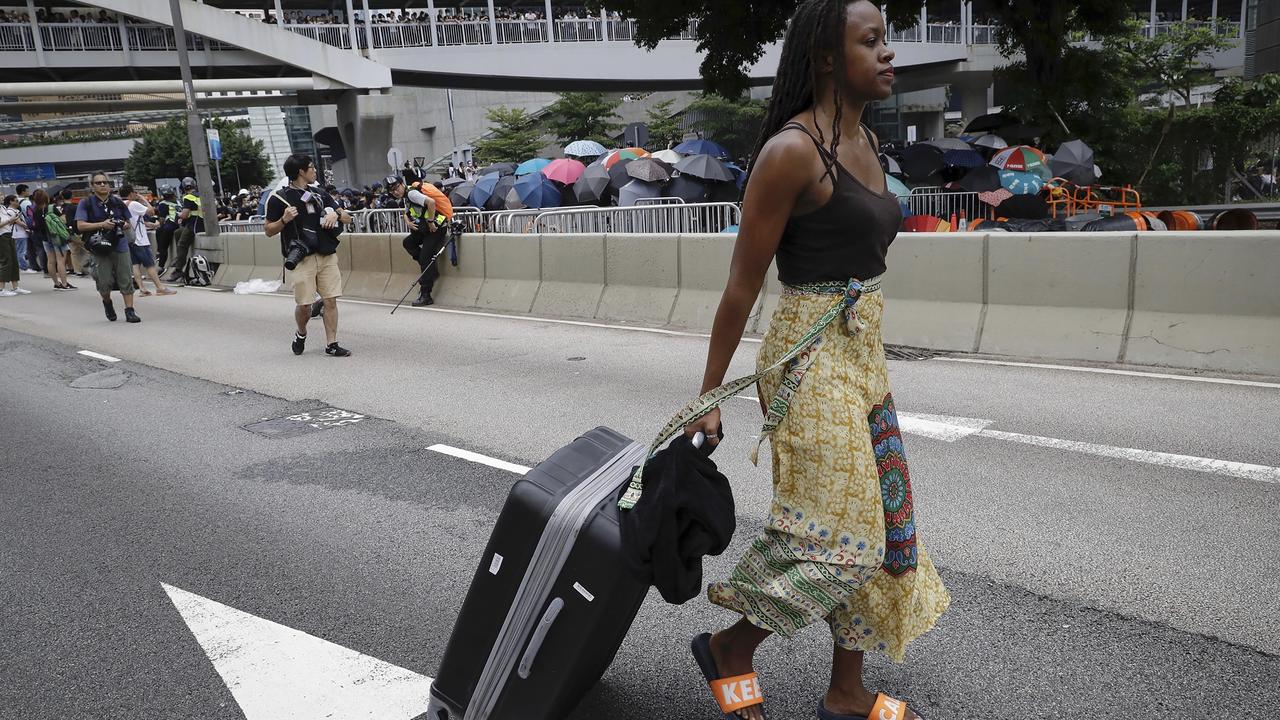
x: 51, y: 233
x: 305, y: 217
x: 841, y: 544
x: 105, y: 213
x: 140, y: 213
x: 191, y: 222
x: 22, y: 231
x: 10, y: 219
x: 167, y: 212
x: 427, y: 213
x: 78, y: 259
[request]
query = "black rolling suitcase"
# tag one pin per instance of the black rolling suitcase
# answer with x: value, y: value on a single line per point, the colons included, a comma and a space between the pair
x: 551, y: 601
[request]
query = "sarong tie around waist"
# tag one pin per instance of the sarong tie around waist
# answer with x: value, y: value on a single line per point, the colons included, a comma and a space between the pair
x: 798, y: 360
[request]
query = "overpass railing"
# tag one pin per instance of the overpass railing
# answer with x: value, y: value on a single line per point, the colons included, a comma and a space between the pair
x: 89, y: 36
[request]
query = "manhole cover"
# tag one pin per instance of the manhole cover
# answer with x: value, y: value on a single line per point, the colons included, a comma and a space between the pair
x: 303, y: 423
x: 903, y: 352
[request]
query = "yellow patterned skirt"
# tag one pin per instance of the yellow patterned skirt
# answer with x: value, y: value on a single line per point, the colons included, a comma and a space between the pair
x: 840, y: 543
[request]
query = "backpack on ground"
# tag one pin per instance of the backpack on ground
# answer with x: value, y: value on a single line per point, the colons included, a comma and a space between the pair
x: 197, y: 272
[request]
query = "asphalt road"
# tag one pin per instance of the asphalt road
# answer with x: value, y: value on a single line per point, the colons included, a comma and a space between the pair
x: 1083, y: 585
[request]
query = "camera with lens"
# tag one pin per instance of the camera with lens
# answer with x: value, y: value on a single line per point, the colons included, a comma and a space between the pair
x: 456, y: 228
x: 297, y: 251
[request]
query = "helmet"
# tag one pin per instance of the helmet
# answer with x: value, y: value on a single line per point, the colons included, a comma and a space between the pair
x: 188, y: 182
x: 391, y: 181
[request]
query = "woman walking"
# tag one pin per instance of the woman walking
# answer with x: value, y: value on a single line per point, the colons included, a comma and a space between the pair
x: 10, y: 217
x: 52, y: 239
x: 840, y: 544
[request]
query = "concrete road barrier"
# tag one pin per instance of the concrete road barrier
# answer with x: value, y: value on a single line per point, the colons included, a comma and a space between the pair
x: 1207, y: 300
x: 404, y: 270
x: 572, y: 276
x: 238, y: 263
x: 460, y: 286
x: 933, y: 290
x: 268, y: 263
x: 370, y: 265
x: 641, y: 278
x: 1062, y: 295
x: 512, y: 272
x: 704, y: 271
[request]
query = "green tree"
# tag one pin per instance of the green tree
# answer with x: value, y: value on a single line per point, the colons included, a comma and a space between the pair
x: 512, y: 136
x: 731, y: 34
x: 1170, y: 63
x: 583, y: 116
x: 165, y: 151
x: 664, y: 126
x: 735, y: 124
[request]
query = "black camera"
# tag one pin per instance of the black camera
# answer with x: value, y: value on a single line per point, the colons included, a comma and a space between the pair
x: 456, y: 228
x: 297, y: 251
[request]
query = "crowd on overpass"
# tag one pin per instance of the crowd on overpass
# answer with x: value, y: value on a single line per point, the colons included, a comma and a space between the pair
x: 444, y: 14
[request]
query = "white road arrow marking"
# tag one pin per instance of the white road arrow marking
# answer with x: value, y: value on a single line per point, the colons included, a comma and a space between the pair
x: 278, y: 673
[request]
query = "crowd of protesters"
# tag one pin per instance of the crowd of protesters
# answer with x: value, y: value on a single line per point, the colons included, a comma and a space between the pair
x: 444, y: 15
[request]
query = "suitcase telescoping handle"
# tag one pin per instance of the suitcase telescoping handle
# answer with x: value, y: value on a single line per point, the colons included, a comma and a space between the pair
x: 539, y: 635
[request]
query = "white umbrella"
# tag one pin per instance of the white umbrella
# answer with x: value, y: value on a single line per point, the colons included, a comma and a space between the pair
x: 990, y: 141
x: 670, y: 157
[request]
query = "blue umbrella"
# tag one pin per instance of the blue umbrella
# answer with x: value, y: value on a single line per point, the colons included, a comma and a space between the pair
x: 484, y: 188
x: 1021, y: 183
x: 963, y: 158
x: 701, y: 147
x: 739, y: 175
x: 585, y: 148
x: 536, y: 191
x: 532, y: 166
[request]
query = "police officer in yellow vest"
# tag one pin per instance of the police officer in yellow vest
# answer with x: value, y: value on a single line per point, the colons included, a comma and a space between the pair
x: 190, y: 221
x: 428, y: 212
x: 167, y: 212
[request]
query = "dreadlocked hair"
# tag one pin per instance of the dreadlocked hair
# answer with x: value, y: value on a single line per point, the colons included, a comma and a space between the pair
x: 816, y: 31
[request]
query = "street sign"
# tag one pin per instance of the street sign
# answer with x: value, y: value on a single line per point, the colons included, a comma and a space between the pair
x: 395, y: 158
x: 215, y: 145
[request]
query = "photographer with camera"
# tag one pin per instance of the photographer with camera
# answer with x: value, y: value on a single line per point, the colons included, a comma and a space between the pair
x: 428, y: 213
x: 101, y: 219
x: 307, y: 220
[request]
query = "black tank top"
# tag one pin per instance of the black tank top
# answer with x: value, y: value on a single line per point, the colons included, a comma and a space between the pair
x: 846, y: 238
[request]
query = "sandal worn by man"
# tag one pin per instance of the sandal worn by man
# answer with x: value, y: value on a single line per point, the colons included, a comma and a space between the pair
x: 731, y: 693
x: 885, y: 708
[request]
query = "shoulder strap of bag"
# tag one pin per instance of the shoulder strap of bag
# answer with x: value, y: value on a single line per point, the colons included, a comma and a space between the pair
x: 712, y: 399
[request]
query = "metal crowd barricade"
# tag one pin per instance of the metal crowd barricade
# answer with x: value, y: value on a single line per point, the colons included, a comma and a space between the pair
x: 660, y: 201
x: 384, y: 220
x: 667, y: 219
x: 943, y: 204
x: 254, y: 224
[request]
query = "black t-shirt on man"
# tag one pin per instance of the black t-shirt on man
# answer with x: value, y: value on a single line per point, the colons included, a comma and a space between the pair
x: 306, y: 226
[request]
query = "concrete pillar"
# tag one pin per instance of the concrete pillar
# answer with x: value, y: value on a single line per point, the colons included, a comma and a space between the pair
x: 493, y: 25
x: 365, y: 123
x: 1153, y: 15
x: 974, y: 99
x: 431, y: 19
x: 966, y: 23
x: 1184, y: 10
x: 368, y: 26
x: 279, y: 14
x: 1244, y: 10
x: 604, y: 25
x: 924, y: 22
x: 351, y: 28
x: 35, y: 33
x: 1213, y: 17
x: 551, y: 24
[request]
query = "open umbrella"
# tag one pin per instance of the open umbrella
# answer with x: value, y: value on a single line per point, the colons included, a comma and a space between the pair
x: 512, y: 201
x: 739, y: 175
x: 593, y: 187
x: 498, y: 200
x: 897, y: 187
x: 948, y: 144
x: 585, y: 148
x: 925, y: 223
x: 890, y: 165
x: 1021, y: 183
x: 616, y: 156
x: 967, y: 158
x: 450, y: 183
x: 618, y: 174
x: 702, y: 147
x: 649, y: 170
x: 1023, y: 158
x: 461, y: 194
x: 992, y: 121
x: 502, y: 168
x: 704, y: 166
x: 1074, y: 161
x: 921, y: 162
x: 433, y: 178
x: 532, y: 166
x: 636, y: 190
x: 981, y: 179
x: 565, y: 170
x: 484, y: 188
x: 688, y: 188
x: 667, y: 156
x: 536, y: 191
x: 989, y: 141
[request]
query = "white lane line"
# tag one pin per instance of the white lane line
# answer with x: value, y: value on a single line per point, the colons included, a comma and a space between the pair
x: 1248, y: 471
x: 1110, y: 371
x: 948, y: 428
x: 99, y: 356
x: 277, y: 673
x: 478, y: 458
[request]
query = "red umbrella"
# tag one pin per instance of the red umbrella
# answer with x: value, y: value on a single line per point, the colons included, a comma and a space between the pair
x: 925, y: 223
x: 565, y: 171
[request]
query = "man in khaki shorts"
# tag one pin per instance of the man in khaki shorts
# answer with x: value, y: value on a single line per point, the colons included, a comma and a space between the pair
x: 302, y: 213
